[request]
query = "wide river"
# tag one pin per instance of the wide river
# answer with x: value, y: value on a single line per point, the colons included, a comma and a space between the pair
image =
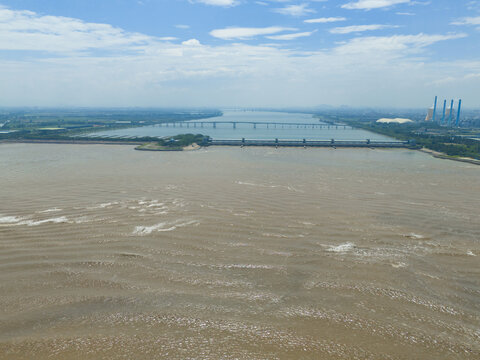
x: 244, y: 128
x: 229, y: 253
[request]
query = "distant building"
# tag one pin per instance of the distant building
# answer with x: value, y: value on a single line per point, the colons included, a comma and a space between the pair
x: 394, y: 121
x: 429, y: 116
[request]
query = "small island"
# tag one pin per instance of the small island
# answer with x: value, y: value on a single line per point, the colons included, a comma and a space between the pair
x: 182, y: 142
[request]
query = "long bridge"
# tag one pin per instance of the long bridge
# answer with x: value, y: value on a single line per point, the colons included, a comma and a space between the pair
x: 254, y: 124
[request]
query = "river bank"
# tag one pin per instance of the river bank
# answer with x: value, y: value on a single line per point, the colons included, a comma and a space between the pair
x: 440, y: 155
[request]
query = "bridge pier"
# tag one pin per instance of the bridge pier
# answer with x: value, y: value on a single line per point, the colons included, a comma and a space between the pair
x: 234, y: 125
x: 254, y: 125
x: 214, y: 125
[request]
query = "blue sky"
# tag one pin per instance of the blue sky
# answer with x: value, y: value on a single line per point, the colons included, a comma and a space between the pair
x: 238, y: 52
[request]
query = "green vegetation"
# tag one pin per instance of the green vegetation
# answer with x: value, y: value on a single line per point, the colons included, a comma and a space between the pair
x: 176, y: 143
x: 431, y: 136
x: 184, y: 140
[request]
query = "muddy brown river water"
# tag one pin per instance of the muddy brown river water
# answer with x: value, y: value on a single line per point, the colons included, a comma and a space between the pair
x: 229, y: 253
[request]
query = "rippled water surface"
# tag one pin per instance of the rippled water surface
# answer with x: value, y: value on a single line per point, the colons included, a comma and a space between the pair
x: 229, y: 253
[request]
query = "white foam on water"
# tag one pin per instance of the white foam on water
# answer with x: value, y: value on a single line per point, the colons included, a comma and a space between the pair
x: 275, y: 235
x: 103, y: 205
x: 50, y: 210
x: 470, y: 253
x: 399, y: 265
x: 342, y: 248
x: 146, y: 230
x: 290, y: 188
x: 81, y: 220
x: 161, y: 227
x: 108, y: 204
x: 10, y: 220
x: 57, y: 220
x: 414, y: 236
x: 245, y: 266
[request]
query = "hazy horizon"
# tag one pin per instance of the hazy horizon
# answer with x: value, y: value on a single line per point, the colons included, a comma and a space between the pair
x: 238, y: 53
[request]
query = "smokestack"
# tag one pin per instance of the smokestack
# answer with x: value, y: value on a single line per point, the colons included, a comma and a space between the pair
x: 458, y: 114
x: 434, y: 109
x: 451, y: 114
x: 443, y: 115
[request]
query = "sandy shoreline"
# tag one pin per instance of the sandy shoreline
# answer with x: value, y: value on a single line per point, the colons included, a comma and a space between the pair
x: 440, y: 155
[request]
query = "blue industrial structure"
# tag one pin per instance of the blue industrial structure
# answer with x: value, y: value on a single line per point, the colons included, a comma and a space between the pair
x: 458, y: 114
x: 450, y: 117
x: 452, y: 120
x: 443, y: 114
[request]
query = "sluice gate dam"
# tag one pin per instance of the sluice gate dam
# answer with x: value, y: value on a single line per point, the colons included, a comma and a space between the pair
x: 314, y: 143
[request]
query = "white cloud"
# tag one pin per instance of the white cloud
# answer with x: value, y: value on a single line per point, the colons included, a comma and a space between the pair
x: 396, y: 45
x: 142, y: 70
x: 295, y: 10
x: 467, y: 21
x: 373, y: 4
x: 246, y: 33
x: 291, y: 36
x: 225, y: 3
x: 324, y: 20
x: 359, y: 28
x: 182, y: 26
x: 191, y: 42
x: 26, y: 30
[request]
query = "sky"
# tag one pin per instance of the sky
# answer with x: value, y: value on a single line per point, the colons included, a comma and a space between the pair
x: 242, y: 53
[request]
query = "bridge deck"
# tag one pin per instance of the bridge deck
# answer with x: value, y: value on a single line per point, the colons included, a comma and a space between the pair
x: 253, y: 123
